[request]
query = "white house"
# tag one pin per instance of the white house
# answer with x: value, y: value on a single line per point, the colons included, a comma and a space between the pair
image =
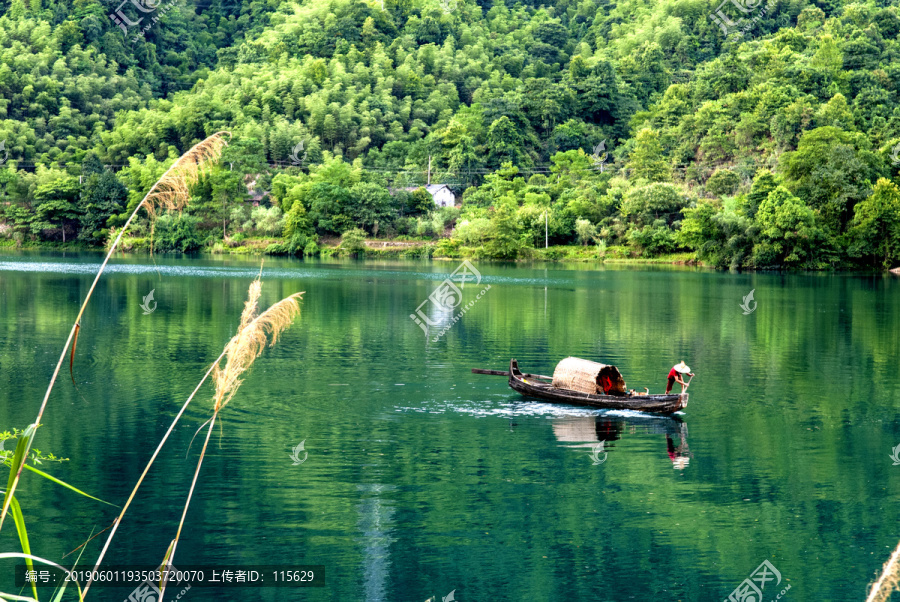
x: 442, y: 195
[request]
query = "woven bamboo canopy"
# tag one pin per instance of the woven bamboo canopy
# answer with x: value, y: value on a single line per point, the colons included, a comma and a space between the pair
x: 585, y: 376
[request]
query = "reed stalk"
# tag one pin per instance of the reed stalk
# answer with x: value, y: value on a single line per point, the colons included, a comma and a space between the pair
x: 171, y: 191
x: 889, y: 581
x: 171, y: 551
x: 254, y: 334
x: 137, y: 486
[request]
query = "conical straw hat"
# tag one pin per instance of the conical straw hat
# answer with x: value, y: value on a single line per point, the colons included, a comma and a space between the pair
x: 682, y: 367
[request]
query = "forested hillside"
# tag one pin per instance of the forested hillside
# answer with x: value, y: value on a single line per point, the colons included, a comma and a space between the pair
x: 635, y: 125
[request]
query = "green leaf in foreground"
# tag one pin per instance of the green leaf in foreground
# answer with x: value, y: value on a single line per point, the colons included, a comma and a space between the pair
x: 19, y: 519
x: 18, y: 460
x: 66, y: 485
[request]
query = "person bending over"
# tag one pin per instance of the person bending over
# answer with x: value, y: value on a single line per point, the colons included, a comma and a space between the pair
x: 675, y: 376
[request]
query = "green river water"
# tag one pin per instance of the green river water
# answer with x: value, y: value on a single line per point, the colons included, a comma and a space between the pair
x: 421, y: 478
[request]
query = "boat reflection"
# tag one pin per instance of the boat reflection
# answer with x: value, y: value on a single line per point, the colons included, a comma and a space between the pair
x: 587, y: 431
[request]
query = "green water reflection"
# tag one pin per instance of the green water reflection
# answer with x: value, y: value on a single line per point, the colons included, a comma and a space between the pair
x: 422, y: 478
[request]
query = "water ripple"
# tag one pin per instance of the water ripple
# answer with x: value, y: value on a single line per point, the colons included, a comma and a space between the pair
x: 193, y: 271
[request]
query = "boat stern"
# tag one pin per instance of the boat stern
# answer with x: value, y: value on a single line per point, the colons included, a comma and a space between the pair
x: 683, y: 399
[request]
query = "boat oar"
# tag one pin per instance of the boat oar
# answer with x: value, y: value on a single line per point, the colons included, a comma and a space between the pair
x: 506, y: 373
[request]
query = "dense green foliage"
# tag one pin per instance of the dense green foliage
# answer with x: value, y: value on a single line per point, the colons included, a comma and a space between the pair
x: 641, y: 118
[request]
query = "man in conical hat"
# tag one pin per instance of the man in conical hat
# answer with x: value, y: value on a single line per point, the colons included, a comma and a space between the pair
x: 675, y: 376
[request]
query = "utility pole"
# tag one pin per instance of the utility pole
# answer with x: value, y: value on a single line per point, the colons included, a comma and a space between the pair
x: 429, y: 170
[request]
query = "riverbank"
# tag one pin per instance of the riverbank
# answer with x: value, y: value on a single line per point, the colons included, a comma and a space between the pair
x: 405, y: 248
x: 387, y: 249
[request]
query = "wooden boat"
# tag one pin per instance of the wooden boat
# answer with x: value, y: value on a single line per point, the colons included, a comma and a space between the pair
x: 542, y: 387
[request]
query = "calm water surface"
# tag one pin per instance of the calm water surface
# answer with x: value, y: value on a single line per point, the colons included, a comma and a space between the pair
x: 422, y: 478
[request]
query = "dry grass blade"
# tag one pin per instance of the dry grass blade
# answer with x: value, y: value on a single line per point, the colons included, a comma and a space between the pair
x: 170, y: 191
x: 72, y: 355
x: 889, y: 581
x: 89, y: 540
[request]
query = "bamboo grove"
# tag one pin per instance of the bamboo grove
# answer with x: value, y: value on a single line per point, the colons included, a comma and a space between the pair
x: 634, y: 126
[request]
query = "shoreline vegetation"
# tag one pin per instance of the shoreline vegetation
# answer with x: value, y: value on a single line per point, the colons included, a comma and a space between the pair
x: 383, y: 249
x: 409, y: 249
x: 765, y: 228
x: 406, y: 249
